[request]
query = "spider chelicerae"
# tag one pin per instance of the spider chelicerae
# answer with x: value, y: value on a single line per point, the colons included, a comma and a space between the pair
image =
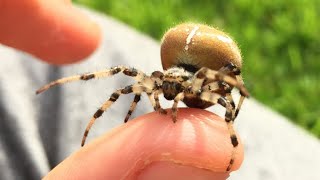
x: 185, y: 77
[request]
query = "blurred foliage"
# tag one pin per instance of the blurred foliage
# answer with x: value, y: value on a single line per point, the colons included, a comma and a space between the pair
x: 280, y: 42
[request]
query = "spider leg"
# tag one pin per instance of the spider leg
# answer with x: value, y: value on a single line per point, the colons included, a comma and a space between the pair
x: 239, y: 105
x: 231, y: 68
x: 206, y: 73
x: 221, y: 85
x: 136, y: 89
x: 217, y: 98
x: 132, y: 107
x: 154, y: 99
x: 157, y: 105
x: 176, y: 100
x: 231, y: 101
x: 217, y: 85
x: 157, y: 77
x: 136, y: 74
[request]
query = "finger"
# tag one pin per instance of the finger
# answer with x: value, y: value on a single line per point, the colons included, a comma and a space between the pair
x: 51, y: 30
x: 197, y: 145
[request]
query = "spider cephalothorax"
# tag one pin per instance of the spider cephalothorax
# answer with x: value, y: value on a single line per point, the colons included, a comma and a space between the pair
x: 201, y: 67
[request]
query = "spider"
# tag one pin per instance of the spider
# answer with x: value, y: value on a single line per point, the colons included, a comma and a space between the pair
x: 201, y: 67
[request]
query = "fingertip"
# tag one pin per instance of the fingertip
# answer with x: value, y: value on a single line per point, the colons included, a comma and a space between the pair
x: 73, y: 36
x: 51, y: 30
x: 199, y: 143
x: 198, y: 138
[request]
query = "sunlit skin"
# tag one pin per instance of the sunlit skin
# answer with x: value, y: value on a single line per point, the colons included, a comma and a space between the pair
x: 52, y: 30
x: 151, y: 147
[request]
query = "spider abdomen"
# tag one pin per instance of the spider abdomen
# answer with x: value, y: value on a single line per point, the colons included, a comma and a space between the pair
x: 199, y: 45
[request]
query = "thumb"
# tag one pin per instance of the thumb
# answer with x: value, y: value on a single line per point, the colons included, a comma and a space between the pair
x: 197, y: 146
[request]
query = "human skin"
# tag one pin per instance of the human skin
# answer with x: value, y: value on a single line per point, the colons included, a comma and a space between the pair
x: 52, y: 30
x: 151, y: 146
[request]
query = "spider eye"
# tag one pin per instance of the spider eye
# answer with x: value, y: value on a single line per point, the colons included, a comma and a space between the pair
x: 165, y: 85
x: 185, y: 78
x: 177, y: 86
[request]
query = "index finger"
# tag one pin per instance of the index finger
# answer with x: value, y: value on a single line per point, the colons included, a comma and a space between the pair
x: 199, y: 139
x: 51, y: 30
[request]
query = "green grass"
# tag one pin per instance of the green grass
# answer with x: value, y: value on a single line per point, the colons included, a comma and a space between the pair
x: 280, y: 42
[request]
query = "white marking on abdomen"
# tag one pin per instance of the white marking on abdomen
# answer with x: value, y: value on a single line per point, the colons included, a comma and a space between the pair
x: 190, y: 36
x: 225, y: 39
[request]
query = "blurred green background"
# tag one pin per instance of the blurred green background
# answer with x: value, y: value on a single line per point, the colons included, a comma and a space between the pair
x: 280, y: 43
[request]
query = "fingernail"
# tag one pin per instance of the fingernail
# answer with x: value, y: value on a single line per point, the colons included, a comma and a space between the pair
x: 169, y: 170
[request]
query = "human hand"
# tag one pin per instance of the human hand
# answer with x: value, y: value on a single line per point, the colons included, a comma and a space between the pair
x: 151, y: 146
x: 52, y: 30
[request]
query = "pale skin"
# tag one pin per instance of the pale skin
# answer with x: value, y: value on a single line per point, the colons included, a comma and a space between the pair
x: 150, y: 146
x: 52, y: 30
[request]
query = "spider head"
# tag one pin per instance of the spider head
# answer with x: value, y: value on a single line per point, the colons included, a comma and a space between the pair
x: 171, y: 89
x: 175, y: 80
